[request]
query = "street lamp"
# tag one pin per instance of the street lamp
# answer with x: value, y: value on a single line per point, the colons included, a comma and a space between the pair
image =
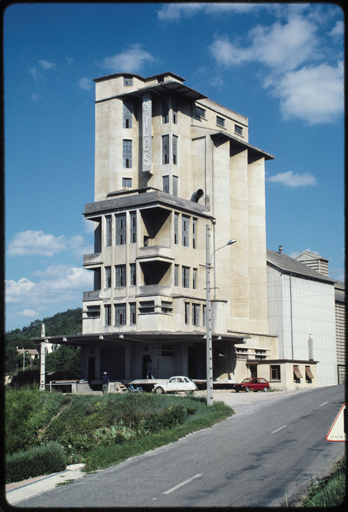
x: 208, y: 320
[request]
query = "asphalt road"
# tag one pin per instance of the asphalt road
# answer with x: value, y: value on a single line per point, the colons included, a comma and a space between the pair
x: 262, y: 456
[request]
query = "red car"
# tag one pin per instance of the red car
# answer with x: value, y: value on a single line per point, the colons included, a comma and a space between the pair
x: 254, y: 384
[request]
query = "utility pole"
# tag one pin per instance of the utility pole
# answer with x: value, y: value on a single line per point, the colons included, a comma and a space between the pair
x: 42, y: 358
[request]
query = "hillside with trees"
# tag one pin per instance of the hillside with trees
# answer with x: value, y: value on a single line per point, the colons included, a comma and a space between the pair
x: 65, y: 360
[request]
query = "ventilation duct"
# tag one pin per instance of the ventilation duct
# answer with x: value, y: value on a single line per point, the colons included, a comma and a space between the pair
x: 197, y: 195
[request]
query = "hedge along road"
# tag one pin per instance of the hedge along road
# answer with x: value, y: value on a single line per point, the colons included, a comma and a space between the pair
x: 264, y: 455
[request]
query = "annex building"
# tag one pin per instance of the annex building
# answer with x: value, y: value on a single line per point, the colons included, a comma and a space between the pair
x: 175, y: 179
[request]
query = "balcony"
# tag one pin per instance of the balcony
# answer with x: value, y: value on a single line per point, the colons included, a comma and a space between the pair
x: 93, y: 295
x: 153, y: 252
x: 90, y: 260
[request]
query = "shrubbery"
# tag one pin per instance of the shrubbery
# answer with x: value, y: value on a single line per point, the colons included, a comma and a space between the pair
x: 41, y: 460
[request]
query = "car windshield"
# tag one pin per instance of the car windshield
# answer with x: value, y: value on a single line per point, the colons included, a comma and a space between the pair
x: 246, y: 380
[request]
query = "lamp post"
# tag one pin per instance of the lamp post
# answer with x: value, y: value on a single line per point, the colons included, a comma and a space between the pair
x: 208, y: 320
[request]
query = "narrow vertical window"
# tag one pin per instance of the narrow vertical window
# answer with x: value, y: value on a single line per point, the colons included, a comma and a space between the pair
x: 165, y: 110
x: 165, y: 183
x: 107, y: 277
x: 133, y: 227
x: 127, y: 154
x: 107, y: 310
x: 120, y: 314
x: 175, y: 185
x: 120, y: 275
x: 176, y: 228
x: 175, y: 109
x: 108, y: 233
x: 185, y: 231
x: 132, y: 313
x: 194, y: 233
x: 165, y: 149
x: 195, y: 314
x: 127, y: 81
x: 121, y: 229
x: 127, y: 114
x: 133, y: 278
x: 187, y: 312
x: 97, y: 237
x: 176, y: 275
x: 204, y: 315
x: 175, y: 149
x: 194, y: 279
x: 185, y: 277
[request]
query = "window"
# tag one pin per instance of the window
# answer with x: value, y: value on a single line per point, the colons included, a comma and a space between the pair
x: 220, y: 121
x: 194, y: 279
x: 165, y: 149
x: 297, y: 373
x: 121, y: 229
x: 195, y: 314
x: 93, y: 311
x: 97, y: 238
x: 165, y: 110
x: 309, y: 374
x: 126, y: 182
x: 165, y: 183
x: 187, y: 312
x: 107, y: 310
x: 260, y: 354
x: 108, y: 235
x: 194, y: 233
x: 176, y: 228
x: 175, y: 185
x: 120, y: 275
x: 127, y: 81
x: 185, y: 277
x: 120, y: 314
x: 200, y: 112
x: 175, y: 149
x: 133, y: 277
x: 147, y: 306
x: 127, y: 114
x: 132, y: 313
x: 185, y: 231
x: 175, y: 109
x: 133, y: 227
x: 107, y: 277
x: 176, y: 275
x: 204, y: 317
x: 238, y: 130
x: 166, y: 306
x: 275, y: 372
x: 127, y: 154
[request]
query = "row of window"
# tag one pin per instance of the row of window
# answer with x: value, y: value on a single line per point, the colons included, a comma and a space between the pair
x: 220, y: 121
x: 276, y: 375
x: 121, y: 276
x: 195, y: 314
x: 121, y: 229
x: 169, y: 151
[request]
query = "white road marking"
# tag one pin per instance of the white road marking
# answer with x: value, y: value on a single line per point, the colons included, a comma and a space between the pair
x: 182, y: 483
x: 274, y: 431
x: 323, y: 404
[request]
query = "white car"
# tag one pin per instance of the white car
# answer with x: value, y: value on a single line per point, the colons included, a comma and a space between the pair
x: 174, y: 385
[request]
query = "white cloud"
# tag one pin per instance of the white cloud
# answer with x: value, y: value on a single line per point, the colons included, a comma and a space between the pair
x: 30, y: 243
x: 130, y: 60
x: 85, y: 83
x: 47, y: 65
x: 314, y: 94
x: 338, y: 29
x: 30, y: 313
x: 34, y: 72
x: 173, y: 12
x: 61, y: 284
x: 290, y: 179
x: 35, y: 97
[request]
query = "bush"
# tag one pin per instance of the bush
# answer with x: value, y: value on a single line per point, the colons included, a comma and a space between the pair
x: 45, y: 459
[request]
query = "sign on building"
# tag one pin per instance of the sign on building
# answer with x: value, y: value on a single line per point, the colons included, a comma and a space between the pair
x: 147, y: 119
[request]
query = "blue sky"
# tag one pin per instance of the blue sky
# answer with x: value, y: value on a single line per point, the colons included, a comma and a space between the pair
x: 280, y: 65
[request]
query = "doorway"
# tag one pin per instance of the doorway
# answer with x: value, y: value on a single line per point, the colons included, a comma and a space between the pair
x: 146, y: 359
x: 253, y: 370
x: 91, y: 368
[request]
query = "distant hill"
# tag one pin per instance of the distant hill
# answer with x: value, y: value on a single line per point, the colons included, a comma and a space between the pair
x: 67, y: 322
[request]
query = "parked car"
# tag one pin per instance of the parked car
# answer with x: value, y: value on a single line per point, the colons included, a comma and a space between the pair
x: 254, y: 384
x: 174, y: 385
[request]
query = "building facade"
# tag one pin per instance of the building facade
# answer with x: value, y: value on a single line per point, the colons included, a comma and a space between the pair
x: 171, y: 166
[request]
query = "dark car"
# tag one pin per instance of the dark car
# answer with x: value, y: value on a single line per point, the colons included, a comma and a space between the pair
x: 254, y: 384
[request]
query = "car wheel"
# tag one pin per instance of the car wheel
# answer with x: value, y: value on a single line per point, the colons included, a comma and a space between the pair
x: 237, y: 390
x: 247, y: 389
x: 265, y: 390
x: 159, y: 391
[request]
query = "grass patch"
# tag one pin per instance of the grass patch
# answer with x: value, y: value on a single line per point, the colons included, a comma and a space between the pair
x: 330, y: 491
x: 100, y: 431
